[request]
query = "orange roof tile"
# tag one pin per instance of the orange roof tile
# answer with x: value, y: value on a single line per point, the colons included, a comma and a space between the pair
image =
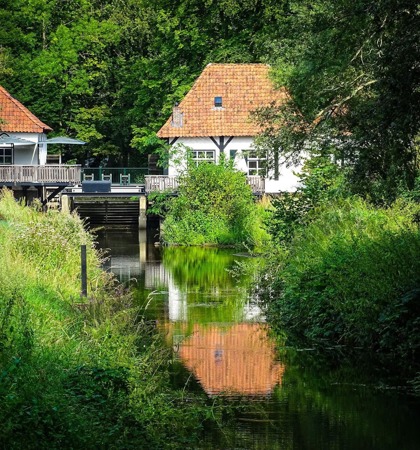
x: 15, y: 118
x: 243, y: 88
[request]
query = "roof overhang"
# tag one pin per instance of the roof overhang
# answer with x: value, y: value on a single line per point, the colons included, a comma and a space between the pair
x: 65, y: 140
x: 5, y: 139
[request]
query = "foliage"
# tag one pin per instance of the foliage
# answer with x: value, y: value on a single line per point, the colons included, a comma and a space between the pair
x: 351, y: 276
x: 109, y: 72
x: 321, y: 181
x: 159, y: 203
x: 214, y: 206
x: 78, y: 373
x: 352, y: 74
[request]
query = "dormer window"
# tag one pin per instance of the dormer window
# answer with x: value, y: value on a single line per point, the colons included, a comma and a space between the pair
x: 218, y: 102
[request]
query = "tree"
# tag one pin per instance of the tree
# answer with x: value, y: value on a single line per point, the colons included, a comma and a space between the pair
x: 352, y: 72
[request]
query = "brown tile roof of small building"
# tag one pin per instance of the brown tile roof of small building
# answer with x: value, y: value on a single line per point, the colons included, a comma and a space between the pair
x: 16, y: 118
x: 243, y: 88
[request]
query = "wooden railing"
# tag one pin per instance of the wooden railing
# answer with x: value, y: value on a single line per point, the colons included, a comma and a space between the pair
x: 40, y: 174
x: 257, y: 184
x: 160, y: 183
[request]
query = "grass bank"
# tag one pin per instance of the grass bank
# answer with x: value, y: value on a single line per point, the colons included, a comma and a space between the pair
x: 351, y: 277
x: 78, y: 374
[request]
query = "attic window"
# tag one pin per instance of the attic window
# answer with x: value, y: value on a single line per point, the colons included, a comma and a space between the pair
x: 218, y: 102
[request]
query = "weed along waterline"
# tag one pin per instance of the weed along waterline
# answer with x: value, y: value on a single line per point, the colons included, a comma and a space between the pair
x: 262, y: 393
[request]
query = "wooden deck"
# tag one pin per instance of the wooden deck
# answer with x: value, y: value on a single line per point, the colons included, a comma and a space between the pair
x: 161, y: 183
x: 39, y: 175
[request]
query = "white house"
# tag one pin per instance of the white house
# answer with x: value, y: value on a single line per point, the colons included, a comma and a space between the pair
x: 23, y: 153
x: 215, y: 118
x: 22, y: 135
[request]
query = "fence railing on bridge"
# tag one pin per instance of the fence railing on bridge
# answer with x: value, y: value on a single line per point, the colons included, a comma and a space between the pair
x: 52, y: 173
x: 160, y: 183
x: 116, y: 175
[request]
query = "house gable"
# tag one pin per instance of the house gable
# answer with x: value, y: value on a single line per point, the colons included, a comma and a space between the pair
x: 16, y: 118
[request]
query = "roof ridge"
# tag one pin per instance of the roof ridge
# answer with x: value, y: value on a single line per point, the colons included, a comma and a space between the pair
x: 238, y: 64
x: 25, y: 110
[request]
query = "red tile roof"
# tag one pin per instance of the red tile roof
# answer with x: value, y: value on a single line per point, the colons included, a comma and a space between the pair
x: 243, y: 88
x: 15, y: 118
x: 238, y: 360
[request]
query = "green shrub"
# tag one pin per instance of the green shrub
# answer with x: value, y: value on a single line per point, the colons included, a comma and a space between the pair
x: 322, y: 182
x: 214, y: 206
x: 351, y: 276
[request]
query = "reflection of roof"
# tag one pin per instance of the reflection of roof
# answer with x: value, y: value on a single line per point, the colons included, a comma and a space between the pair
x: 242, y: 88
x: 16, y: 118
x: 237, y: 360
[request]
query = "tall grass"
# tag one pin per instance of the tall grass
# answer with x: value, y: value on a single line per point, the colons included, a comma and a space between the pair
x: 77, y: 373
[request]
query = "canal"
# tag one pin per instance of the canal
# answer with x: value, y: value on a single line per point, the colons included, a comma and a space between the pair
x: 281, y: 397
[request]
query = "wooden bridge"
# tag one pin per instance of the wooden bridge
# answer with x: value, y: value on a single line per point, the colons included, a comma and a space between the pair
x: 104, y: 197
x: 72, y: 175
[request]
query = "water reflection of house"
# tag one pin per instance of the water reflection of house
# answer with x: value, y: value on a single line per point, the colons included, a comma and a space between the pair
x: 157, y: 276
x: 236, y: 360
x: 180, y: 298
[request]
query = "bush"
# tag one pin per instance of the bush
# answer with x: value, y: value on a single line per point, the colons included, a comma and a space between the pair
x: 351, y: 276
x: 321, y: 182
x: 214, y: 206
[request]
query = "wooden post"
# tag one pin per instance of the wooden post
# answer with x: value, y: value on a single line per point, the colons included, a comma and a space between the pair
x: 83, y: 262
x: 142, y: 247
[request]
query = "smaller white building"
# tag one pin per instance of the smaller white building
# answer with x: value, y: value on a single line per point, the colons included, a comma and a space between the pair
x: 16, y: 121
x: 215, y: 118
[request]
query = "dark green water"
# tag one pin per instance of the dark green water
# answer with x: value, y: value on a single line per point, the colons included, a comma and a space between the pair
x: 284, y: 398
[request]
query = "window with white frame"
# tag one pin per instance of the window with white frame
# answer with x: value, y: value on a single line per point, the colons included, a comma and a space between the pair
x: 200, y: 156
x: 256, y: 165
x: 6, y: 155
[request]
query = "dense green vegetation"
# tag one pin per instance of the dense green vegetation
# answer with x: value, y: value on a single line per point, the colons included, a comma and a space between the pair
x: 345, y: 272
x: 352, y: 277
x: 341, y: 270
x: 352, y: 70
x: 78, y: 373
x: 214, y: 206
x: 109, y: 72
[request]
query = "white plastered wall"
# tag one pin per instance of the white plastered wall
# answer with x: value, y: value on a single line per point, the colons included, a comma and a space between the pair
x: 30, y: 155
x: 287, y: 181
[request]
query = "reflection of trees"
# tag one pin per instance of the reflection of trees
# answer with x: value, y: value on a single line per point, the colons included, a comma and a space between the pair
x: 337, y: 404
x: 200, y: 268
x: 234, y: 360
x: 201, y: 287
